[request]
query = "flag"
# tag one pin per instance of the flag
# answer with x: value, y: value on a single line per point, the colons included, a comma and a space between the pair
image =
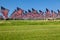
x: 25, y: 12
x: 13, y: 15
x: 34, y: 11
x: 47, y: 13
x: 19, y: 11
x: 4, y: 11
x: 58, y: 12
x: 54, y: 15
x: 47, y: 9
x: 29, y: 11
x: 41, y: 12
x: 52, y: 12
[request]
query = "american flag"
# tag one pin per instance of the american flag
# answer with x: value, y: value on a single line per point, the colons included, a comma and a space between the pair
x: 54, y: 14
x: 4, y: 11
x: 19, y: 11
x: 47, y: 13
x: 58, y: 12
x: 13, y: 15
x: 34, y: 11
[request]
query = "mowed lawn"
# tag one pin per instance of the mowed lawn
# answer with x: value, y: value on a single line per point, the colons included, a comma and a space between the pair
x: 29, y: 30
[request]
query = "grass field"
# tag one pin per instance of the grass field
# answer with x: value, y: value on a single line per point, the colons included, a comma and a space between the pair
x: 29, y: 30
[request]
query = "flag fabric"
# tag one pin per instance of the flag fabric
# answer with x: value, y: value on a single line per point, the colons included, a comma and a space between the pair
x: 58, y: 12
x: 34, y: 11
x: 30, y: 14
x: 25, y: 12
x: 17, y: 14
x: 29, y: 11
x: 54, y: 14
x: 41, y: 14
x: 4, y: 11
x: 47, y: 13
x: 13, y: 15
x: 19, y: 11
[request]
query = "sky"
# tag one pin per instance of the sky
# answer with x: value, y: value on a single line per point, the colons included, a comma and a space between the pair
x: 28, y: 4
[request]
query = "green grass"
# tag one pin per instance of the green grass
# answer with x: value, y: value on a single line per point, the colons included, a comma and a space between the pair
x: 29, y: 30
x: 28, y: 22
